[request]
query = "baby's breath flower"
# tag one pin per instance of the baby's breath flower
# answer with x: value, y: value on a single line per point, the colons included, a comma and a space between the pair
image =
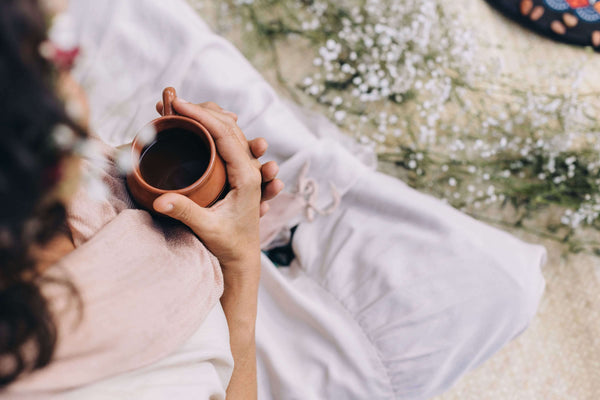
x: 124, y: 160
x: 64, y: 137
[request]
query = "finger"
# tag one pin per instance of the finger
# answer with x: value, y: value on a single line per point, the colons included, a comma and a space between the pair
x: 264, y: 208
x: 211, y: 106
x: 226, y: 138
x: 215, y: 107
x: 258, y: 146
x: 269, y: 171
x: 183, y: 209
x: 271, y: 189
x: 231, y: 114
x: 212, y: 109
x: 229, y: 120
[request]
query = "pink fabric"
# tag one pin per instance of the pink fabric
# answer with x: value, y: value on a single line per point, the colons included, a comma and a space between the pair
x: 286, y: 207
x: 146, y: 287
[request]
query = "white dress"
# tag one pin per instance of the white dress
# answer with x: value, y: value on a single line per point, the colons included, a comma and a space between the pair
x: 391, y: 295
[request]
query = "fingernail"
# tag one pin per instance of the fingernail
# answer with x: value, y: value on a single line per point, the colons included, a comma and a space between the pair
x: 164, y: 208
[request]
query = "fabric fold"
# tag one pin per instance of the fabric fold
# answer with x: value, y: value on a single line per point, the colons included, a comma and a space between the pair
x: 146, y: 286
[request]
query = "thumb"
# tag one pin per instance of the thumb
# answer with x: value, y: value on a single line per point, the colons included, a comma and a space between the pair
x: 183, y: 209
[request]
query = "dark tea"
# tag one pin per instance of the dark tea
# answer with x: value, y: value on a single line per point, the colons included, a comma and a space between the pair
x: 175, y: 159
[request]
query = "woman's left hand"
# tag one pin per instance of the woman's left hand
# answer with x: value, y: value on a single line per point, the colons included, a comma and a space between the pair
x: 257, y: 147
x: 230, y: 228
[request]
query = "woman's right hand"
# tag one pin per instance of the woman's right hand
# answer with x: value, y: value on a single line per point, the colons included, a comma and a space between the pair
x: 229, y: 229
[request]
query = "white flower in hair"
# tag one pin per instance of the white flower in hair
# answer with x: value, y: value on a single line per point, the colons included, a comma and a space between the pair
x: 62, y: 32
x: 64, y: 137
x: 62, y: 46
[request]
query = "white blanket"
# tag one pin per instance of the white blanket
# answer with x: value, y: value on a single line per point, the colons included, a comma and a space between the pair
x: 392, y: 295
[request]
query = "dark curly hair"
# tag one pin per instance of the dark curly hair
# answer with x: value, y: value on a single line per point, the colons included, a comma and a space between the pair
x: 29, y: 111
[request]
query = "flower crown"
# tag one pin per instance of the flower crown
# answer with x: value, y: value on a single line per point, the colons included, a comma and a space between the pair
x: 62, y: 47
x: 62, y: 50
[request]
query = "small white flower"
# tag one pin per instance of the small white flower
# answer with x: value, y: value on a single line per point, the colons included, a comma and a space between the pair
x: 373, y: 80
x: 62, y: 32
x: 452, y: 182
x: 75, y: 110
x: 63, y: 136
x: 339, y: 115
x: 124, y: 160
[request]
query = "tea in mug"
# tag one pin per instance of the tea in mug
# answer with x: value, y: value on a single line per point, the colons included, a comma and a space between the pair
x: 174, y: 160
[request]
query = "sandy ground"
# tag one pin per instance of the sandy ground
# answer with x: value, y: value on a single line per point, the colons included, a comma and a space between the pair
x: 558, y: 356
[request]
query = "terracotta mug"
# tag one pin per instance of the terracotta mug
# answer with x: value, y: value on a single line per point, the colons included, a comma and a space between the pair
x: 182, y: 159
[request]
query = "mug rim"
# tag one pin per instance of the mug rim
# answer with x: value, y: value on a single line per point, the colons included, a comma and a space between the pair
x: 136, y: 152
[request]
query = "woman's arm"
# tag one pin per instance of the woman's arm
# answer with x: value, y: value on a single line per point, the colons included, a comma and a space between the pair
x: 239, y: 304
x: 229, y: 229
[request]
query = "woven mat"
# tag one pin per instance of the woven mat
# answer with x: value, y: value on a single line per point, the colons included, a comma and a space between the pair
x: 570, y: 21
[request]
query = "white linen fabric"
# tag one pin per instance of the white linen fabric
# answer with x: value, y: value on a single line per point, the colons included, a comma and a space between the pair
x: 392, y: 295
x: 200, y: 369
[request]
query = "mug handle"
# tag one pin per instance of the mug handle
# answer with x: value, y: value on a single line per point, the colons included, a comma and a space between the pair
x: 168, y: 95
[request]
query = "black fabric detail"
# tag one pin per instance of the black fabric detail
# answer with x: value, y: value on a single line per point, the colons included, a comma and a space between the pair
x: 283, y: 256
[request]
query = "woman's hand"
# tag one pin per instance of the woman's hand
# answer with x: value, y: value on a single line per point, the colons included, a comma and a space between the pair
x: 229, y: 229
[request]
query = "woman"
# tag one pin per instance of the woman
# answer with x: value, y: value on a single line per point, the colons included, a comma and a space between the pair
x: 388, y: 293
x: 39, y: 185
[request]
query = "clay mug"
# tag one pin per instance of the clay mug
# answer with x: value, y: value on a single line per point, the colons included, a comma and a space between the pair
x: 182, y: 159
